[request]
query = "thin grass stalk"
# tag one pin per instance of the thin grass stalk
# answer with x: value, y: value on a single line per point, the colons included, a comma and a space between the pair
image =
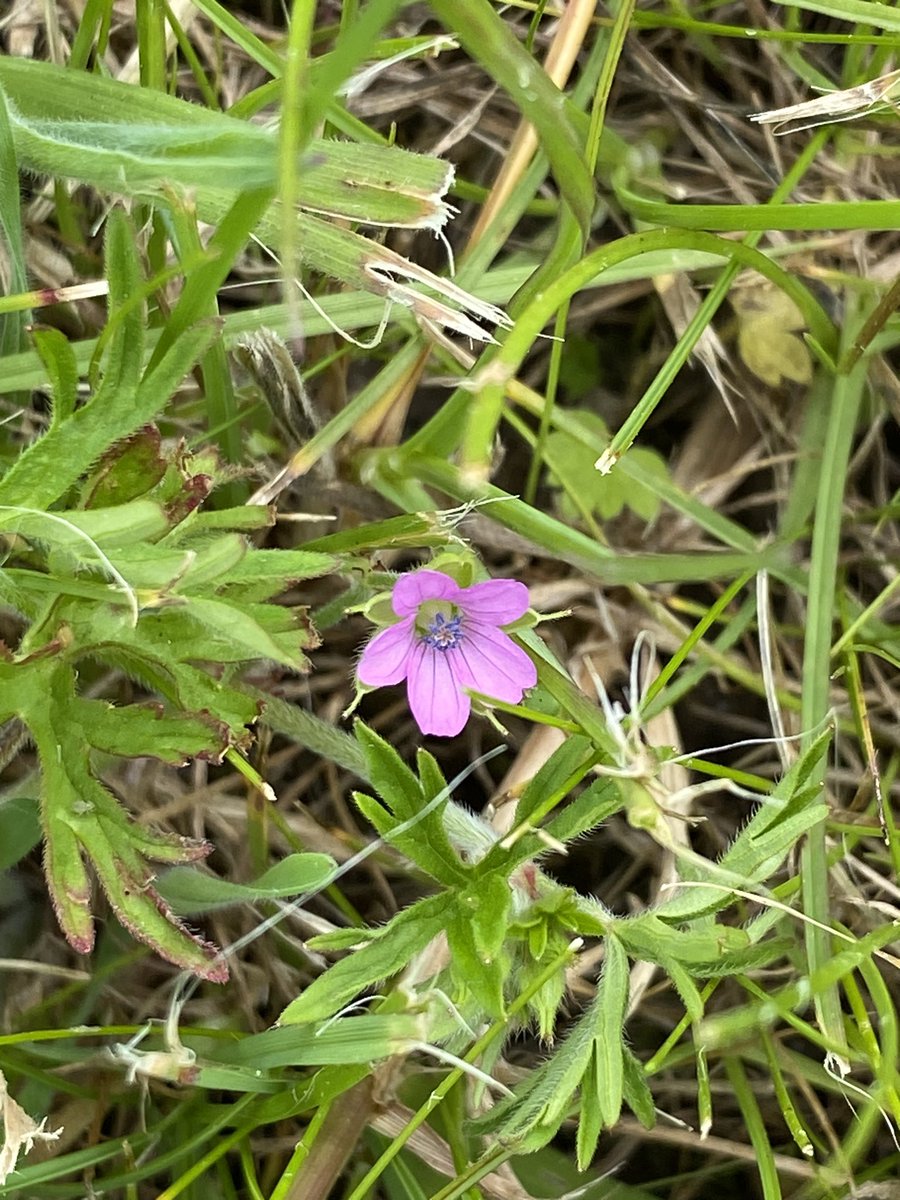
x: 765, y: 1159
x: 861, y: 12
x: 846, y: 398
x: 327, y: 1142
x: 236, y: 31
x: 788, y: 36
x: 598, y: 119
x: 886, y: 1067
x: 788, y: 1111
x: 202, y: 1165
x: 574, y: 547
x: 186, y: 49
x: 151, y: 44
x: 567, y: 43
x: 293, y: 135
x: 95, y: 19
x: 700, y: 321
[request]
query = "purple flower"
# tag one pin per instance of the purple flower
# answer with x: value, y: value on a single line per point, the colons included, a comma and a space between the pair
x: 448, y: 639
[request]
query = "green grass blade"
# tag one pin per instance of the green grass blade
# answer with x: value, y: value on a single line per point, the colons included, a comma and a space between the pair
x: 846, y: 398
x: 490, y: 41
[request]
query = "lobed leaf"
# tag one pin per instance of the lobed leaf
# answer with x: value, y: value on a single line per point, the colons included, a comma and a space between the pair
x: 146, y: 730
x: 82, y: 819
x: 425, y: 842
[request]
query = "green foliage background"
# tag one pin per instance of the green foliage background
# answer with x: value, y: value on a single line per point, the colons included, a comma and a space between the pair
x: 161, y: 594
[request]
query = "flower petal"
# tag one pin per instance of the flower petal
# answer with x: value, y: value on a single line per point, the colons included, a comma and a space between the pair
x: 435, y: 698
x: 386, y: 658
x: 497, y: 601
x: 489, y: 661
x: 416, y: 587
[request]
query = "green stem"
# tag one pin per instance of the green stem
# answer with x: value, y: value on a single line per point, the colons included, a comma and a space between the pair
x: 765, y: 1160
x: 615, y: 42
x: 708, y: 309
x: 844, y: 410
x: 482, y: 413
x: 580, y: 551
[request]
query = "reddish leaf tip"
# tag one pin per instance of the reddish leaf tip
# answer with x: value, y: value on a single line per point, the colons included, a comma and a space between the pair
x: 81, y: 943
x: 217, y: 972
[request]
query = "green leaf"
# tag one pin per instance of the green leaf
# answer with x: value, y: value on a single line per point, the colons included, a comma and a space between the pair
x: 571, y: 461
x: 481, y: 979
x: 389, y: 775
x: 133, y: 618
x: 67, y: 877
x: 595, y: 805
x: 648, y: 937
x: 183, y: 684
x: 860, y: 12
x: 542, y: 1105
x: 140, y: 142
x: 189, y: 892
x: 126, y: 322
x: 20, y: 829
x: 59, y: 362
x: 435, y: 827
x: 343, y: 939
x: 127, y: 524
x: 12, y: 325
x: 566, y: 765
x: 52, y: 464
x: 211, y: 562
x: 612, y: 998
x: 156, y: 569
x: 133, y: 140
x: 636, y: 1091
x: 313, y: 733
x: 81, y: 818
x: 404, y: 936
x: 246, y: 519
x: 214, y: 631
x: 748, y: 958
x: 146, y: 730
x: 761, y: 846
x: 590, y: 1120
x: 376, y: 184
x: 476, y: 934
x: 426, y: 842
x: 127, y: 471
x: 138, y: 906
x: 489, y: 901
x: 686, y: 988
x: 768, y: 340
x: 280, y: 568
x: 591, y: 1058
x: 361, y: 1038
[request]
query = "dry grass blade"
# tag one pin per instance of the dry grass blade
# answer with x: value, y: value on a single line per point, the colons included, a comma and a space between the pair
x: 847, y: 104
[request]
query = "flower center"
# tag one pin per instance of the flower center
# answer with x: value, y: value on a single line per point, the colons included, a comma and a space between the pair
x: 443, y: 631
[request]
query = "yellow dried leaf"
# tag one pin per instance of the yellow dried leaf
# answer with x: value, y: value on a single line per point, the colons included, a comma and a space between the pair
x: 767, y: 338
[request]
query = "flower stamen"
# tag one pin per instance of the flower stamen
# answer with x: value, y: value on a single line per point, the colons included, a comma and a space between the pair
x: 444, y: 633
